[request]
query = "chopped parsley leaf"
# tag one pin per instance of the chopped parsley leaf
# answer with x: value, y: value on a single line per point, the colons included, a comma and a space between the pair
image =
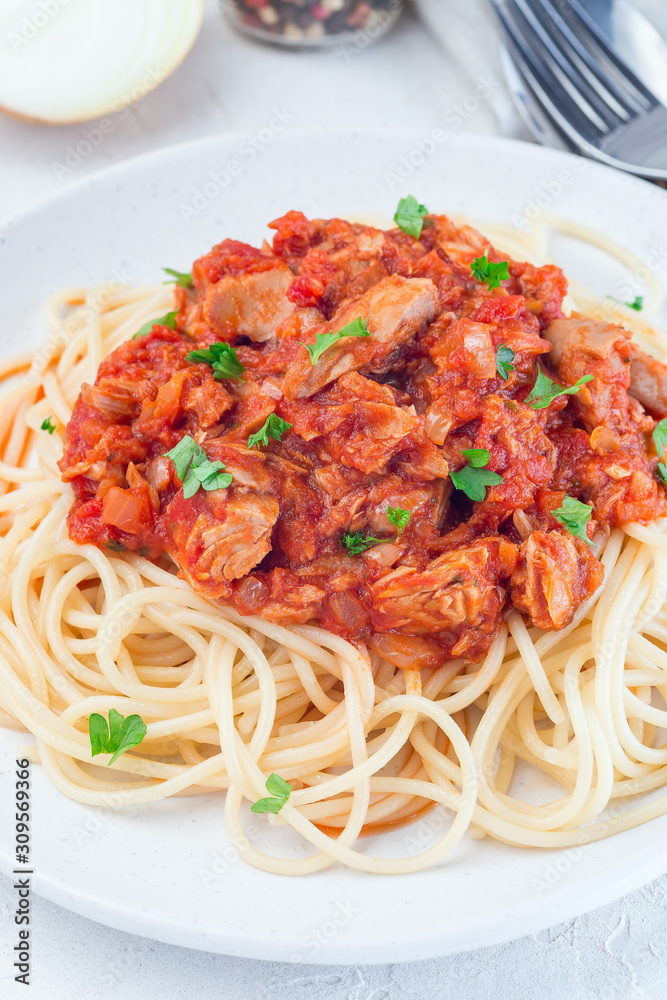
x: 169, y: 319
x: 210, y: 475
x: 410, y: 216
x: 574, y: 515
x: 637, y: 304
x: 221, y: 357
x: 546, y: 390
x: 477, y: 457
x: 182, y: 278
x: 488, y: 271
x: 195, y: 469
x: 115, y: 736
x: 47, y: 425
x: 504, y: 359
x: 186, y: 451
x: 280, y: 792
x: 399, y: 518
x: 473, y: 478
x: 660, y: 442
x: 660, y: 437
x: 274, y: 427
x: 357, y: 328
x: 357, y: 543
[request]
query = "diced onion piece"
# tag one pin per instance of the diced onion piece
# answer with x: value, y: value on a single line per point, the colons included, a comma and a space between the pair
x: 480, y: 355
x: 71, y: 62
x: 522, y: 523
x: 385, y: 555
x: 409, y: 652
x: 348, y: 610
x: 436, y: 425
x: 618, y: 472
x: 269, y: 388
x: 604, y: 439
x: 253, y: 592
x: 158, y: 473
x: 126, y: 510
x: 134, y: 478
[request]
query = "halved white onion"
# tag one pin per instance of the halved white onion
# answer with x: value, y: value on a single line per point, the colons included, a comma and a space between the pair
x: 74, y: 60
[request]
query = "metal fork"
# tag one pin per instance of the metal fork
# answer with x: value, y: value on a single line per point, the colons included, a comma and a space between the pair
x: 587, y: 92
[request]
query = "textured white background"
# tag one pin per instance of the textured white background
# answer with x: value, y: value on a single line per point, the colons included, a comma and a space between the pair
x: 229, y: 84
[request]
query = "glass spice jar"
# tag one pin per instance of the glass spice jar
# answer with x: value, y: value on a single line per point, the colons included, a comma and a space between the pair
x: 307, y: 24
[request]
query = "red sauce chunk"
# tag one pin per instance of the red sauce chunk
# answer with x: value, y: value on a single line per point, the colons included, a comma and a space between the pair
x: 404, y: 489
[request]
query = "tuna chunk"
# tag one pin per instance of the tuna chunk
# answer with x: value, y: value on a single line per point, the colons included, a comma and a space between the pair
x: 227, y: 547
x: 556, y: 572
x: 397, y: 308
x: 250, y: 305
x: 648, y: 382
x: 589, y: 347
x: 358, y: 424
x: 459, y: 592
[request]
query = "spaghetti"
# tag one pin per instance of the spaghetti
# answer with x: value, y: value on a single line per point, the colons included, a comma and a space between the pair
x: 229, y: 700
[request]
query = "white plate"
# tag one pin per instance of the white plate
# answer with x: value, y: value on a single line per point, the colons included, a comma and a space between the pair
x: 167, y: 870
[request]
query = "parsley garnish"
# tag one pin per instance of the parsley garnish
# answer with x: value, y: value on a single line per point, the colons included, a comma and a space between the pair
x: 504, y: 359
x: 357, y: 328
x: 410, y: 216
x: 660, y: 437
x: 194, y: 468
x: 488, y: 272
x: 357, y: 543
x: 473, y: 478
x: 115, y: 736
x: 546, y: 390
x: 660, y: 442
x: 182, y: 454
x: 47, y: 425
x: 637, y: 305
x: 114, y: 545
x: 169, y: 319
x: 280, y: 792
x: 182, y: 278
x: 398, y: 517
x: 574, y: 515
x: 209, y: 475
x: 274, y: 427
x: 222, y: 358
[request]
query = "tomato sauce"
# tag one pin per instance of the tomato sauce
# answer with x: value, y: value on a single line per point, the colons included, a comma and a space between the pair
x: 378, y: 422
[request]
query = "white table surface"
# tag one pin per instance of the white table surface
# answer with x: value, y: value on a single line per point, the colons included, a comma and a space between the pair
x: 230, y: 84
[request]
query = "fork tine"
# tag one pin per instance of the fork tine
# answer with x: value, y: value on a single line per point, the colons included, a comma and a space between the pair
x: 584, y: 82
x: 563, y: 105
x: 576, y: 24
x: 637, y: 144
x: 647, y: 133
x: 534, y: 115
x: 567, y: 117
x: 550, y: 21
